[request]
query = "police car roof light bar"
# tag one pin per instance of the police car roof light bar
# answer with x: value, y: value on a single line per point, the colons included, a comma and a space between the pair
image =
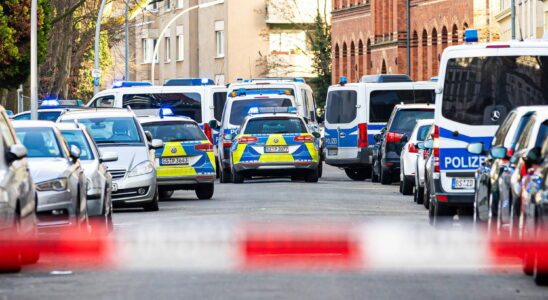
x: 123, y: 84
x: 244, y: 92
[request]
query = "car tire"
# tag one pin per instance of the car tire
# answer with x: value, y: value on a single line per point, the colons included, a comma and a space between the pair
x: 419, y: 195
x: 153, y: 206
x: 541, y: 276
x: 374, y: 176
x: 166, y: 194
x: 10, y: 260
x: 312, y: 177
x: 385, y: 177
x: 237, y: 177
x: 205, y: 191
x: 320, y: 169
x: 407, y: 186
x: 226, y: 177
x: 356, y: 174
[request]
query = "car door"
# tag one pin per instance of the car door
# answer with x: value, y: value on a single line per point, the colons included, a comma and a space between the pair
x: 341, y: 133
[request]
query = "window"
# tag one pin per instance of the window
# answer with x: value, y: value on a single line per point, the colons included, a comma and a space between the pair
x: 275, y: 126
x: 78, y: 139
x: 180, y: 3
x: 501, y: 133
x: 182, y: 104
x: 287, y: 42
x: 105, y: 101
x: 153, y: 6
x: 112, y: 130
x: 219, y: 100
x: 168, y: 49
x: 341, y: 106
x: 405, y: 119
x: 40, y: 142
x: 220, y: 38
x: 180, y: 48
x: 382, y: 102
x: 168, y: 4
x: 240, y: 108
x: 148, y: 50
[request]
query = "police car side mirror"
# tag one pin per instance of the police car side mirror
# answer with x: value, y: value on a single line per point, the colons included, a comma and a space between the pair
x: 499, y: 152
x: 156, y: 144
x: 213, y: 124
x: 533, y: 156
x: 475, y: 148
x: 148, y: 135
x: 316, y: 134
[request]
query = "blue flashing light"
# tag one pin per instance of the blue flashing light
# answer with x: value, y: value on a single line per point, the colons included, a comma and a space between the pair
x: 471, y: 36
x: 271, y: 110
x: 189, y: 82
x: 122, y: 84
x: 343, y: 80
x: 299, y: 80
x: 434, y: 79
x: 253, y: 111
x: 166, y: 112
x: 49, y: 103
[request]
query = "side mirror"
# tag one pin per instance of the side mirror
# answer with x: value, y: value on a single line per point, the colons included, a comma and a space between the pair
x: 156, y: 144
x: 377, y: 137
x: 420, y: 145
x: 429, y: 144
x: 75, y: 152
x: 316, y: 134
x: 109, y: 156
x: 16, y: 152
x: 499, y: 152
x: 475, y: 148
x: 213, y: 124
x: 533, y: 156
x: 404, y: 139
x: 148, y: 135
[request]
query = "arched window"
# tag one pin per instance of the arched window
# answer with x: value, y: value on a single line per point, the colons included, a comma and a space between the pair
x: 336, y: 63
x: 353, y: 64
x: 434, y: 53
x: 465, y: 26
x: 383, y: 70
x: 368, y: 60
x: 444, y: 38
x: 361, y: 58
x: 414, y: 56
x: 455, y: 35
x: 344, y: 69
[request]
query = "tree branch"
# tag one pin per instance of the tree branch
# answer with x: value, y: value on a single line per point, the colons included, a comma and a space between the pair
x: 70, y: 11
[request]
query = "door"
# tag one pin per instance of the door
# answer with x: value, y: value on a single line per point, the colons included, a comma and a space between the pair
x: 341, y: 129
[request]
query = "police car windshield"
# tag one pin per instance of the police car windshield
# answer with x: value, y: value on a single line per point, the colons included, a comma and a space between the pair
x: 240, y: 108
x: 483, y: 90
x: 182, y: 104
x: 405, y: 119
x: 275, y: 125
x: 121, y: 130
x: 175, y: 131
x: 40, y: 142
x: 42, y: 115
x: 77, y: 138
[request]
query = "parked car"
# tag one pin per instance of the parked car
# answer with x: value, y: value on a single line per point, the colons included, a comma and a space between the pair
x: 99, y: 180
x: 409, y: 156
x: 17, y: 197
x: 404, y: 117
x: 134, y: 173
x: 487, y: 190
x: 422, y: 158
x: 57, y: 173
x: 186, y: 160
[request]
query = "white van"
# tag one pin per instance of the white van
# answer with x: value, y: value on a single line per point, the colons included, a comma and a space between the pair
x: 479, y: 84
x: 201, y: 102
x: 356, y: 112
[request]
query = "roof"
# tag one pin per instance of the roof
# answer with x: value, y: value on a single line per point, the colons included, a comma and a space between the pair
x: 95, y: 113
x: 530, y: 43
x: 155, y: 119
x: 414, y: 106
x: 266, y: 115
x: 33, y: 123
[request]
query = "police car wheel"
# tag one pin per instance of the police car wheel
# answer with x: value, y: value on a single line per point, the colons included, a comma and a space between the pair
x: 205, y: 191
x: 237, y: 177
x: 225, y: 176
x: 385, y: 177
x: 312, y: 177
x: 166, y: 194
x: 356, y: 174
x: 320, y: 169
x: 419, y: 195
x: 407, y: 186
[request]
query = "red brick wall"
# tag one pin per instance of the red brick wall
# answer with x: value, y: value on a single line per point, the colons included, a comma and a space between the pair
x: 383, y: 24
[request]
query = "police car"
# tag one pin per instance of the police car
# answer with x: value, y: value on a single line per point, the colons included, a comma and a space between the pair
x: 275, y: 142
x: 186, y: 161
x: 356, y: 112
x: 196, y: 98
x: 479, y: 84
x: 236, y: 109
x: 51, y: 109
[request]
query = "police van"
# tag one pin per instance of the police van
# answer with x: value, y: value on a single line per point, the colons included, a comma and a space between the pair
x: 356, y: 112
x: 238, y: 106
x: 197, y: 99
x: 479, y: 84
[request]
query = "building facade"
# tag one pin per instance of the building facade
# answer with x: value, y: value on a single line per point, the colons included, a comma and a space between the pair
x: 370, y: 36
x: 234, y: 39
x: 531, y: 18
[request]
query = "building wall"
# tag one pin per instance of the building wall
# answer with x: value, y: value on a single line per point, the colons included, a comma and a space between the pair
x: 531, y: 18
x: 369, y: 36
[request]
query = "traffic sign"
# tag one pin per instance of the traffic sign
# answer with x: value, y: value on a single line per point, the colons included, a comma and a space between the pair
x: 96, y: 73
x: 96, y: 81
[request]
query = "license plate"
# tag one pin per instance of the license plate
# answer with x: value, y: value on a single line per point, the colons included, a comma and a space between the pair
x: 167, y: 161
x: 276, y: 149
x: 114, y: 187
x: 332, y: 152
x: 464, y: 183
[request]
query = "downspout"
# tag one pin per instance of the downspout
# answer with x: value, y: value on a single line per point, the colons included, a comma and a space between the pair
x: 408, y: 25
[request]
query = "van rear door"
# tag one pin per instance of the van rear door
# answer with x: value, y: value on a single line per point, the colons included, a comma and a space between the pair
x: 341, y: 123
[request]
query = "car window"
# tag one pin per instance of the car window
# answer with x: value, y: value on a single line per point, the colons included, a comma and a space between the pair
x: 78, y: 139
x: 405, y: 119
x: 524, y: 139
x: 182, y: 104
x: 421, y: 133
x: 275, y: 126
x: 501, y: 133
x: 40, y: 142
x: 382, y: 103
x: 311, y: 105
x: 341, y: 106
x: 521, y: 127
x: 112, y: 130
x: 240, y: 108
x: 175, y: 131
x: 219, y: 100
x: 105, y: 101
x: 542, y: 133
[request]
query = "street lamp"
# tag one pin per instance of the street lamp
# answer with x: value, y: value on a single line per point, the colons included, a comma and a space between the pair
x: 96, y: 71
x: 34, y: 60
x: 155, y: 52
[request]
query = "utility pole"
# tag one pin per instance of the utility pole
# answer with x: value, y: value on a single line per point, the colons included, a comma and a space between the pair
x: 126, y: 74
x: 97, y: 72
x: 513, y: 9
x: 34, y: 60
x: 408, y: 26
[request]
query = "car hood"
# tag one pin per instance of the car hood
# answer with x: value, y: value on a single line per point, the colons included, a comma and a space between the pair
x: 128, y: 156
x: 43, y: 169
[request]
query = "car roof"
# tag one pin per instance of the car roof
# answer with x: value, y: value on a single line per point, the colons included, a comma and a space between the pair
x: 414, y: 106
x: 520, y: 110
x: 155, y: 119
x: 98, y: 112
x: 32, y: 123
x: 268, y: 115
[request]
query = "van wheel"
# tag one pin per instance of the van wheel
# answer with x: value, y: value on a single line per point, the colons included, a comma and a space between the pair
x: 320, y: 169
x: 153, y: 206
x: 441, y: 216
x: 419, y: 195
x: 385, y: 177
x: 205, y: 191
x: 407, y: 186
x: 356, y: 174
x: 225, y: 176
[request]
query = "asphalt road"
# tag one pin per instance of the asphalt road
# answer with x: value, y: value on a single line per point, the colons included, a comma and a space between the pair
x: 333, y: 199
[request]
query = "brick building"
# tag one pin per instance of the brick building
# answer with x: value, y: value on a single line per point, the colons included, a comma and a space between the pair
x: 370, y: 36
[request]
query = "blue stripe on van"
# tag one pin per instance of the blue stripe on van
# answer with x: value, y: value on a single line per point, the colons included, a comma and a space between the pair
x: 448, y: 134
x: 376, y: 127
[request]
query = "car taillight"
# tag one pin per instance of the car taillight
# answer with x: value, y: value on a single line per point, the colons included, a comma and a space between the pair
x: 510, y: 152
x: 412, y: 149
x: 394, y: 137
x: 362, y: 135
x: 304, y: 139
x: 523, y: 170
x: 247, y: 139
x: 207, y: 147
x: 436, y: 156
x: 227, y: 144
x: 208, y: 132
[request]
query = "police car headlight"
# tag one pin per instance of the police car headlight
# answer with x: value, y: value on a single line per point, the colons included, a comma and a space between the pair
x: 142, y: 169
x: 59, y: 184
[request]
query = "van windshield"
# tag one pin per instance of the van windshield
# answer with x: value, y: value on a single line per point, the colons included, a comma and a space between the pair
x: 341, y: 106
x: 240, y: 108
x: 382, y: 102
x: 182, y: 104
x: 483, y: 90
